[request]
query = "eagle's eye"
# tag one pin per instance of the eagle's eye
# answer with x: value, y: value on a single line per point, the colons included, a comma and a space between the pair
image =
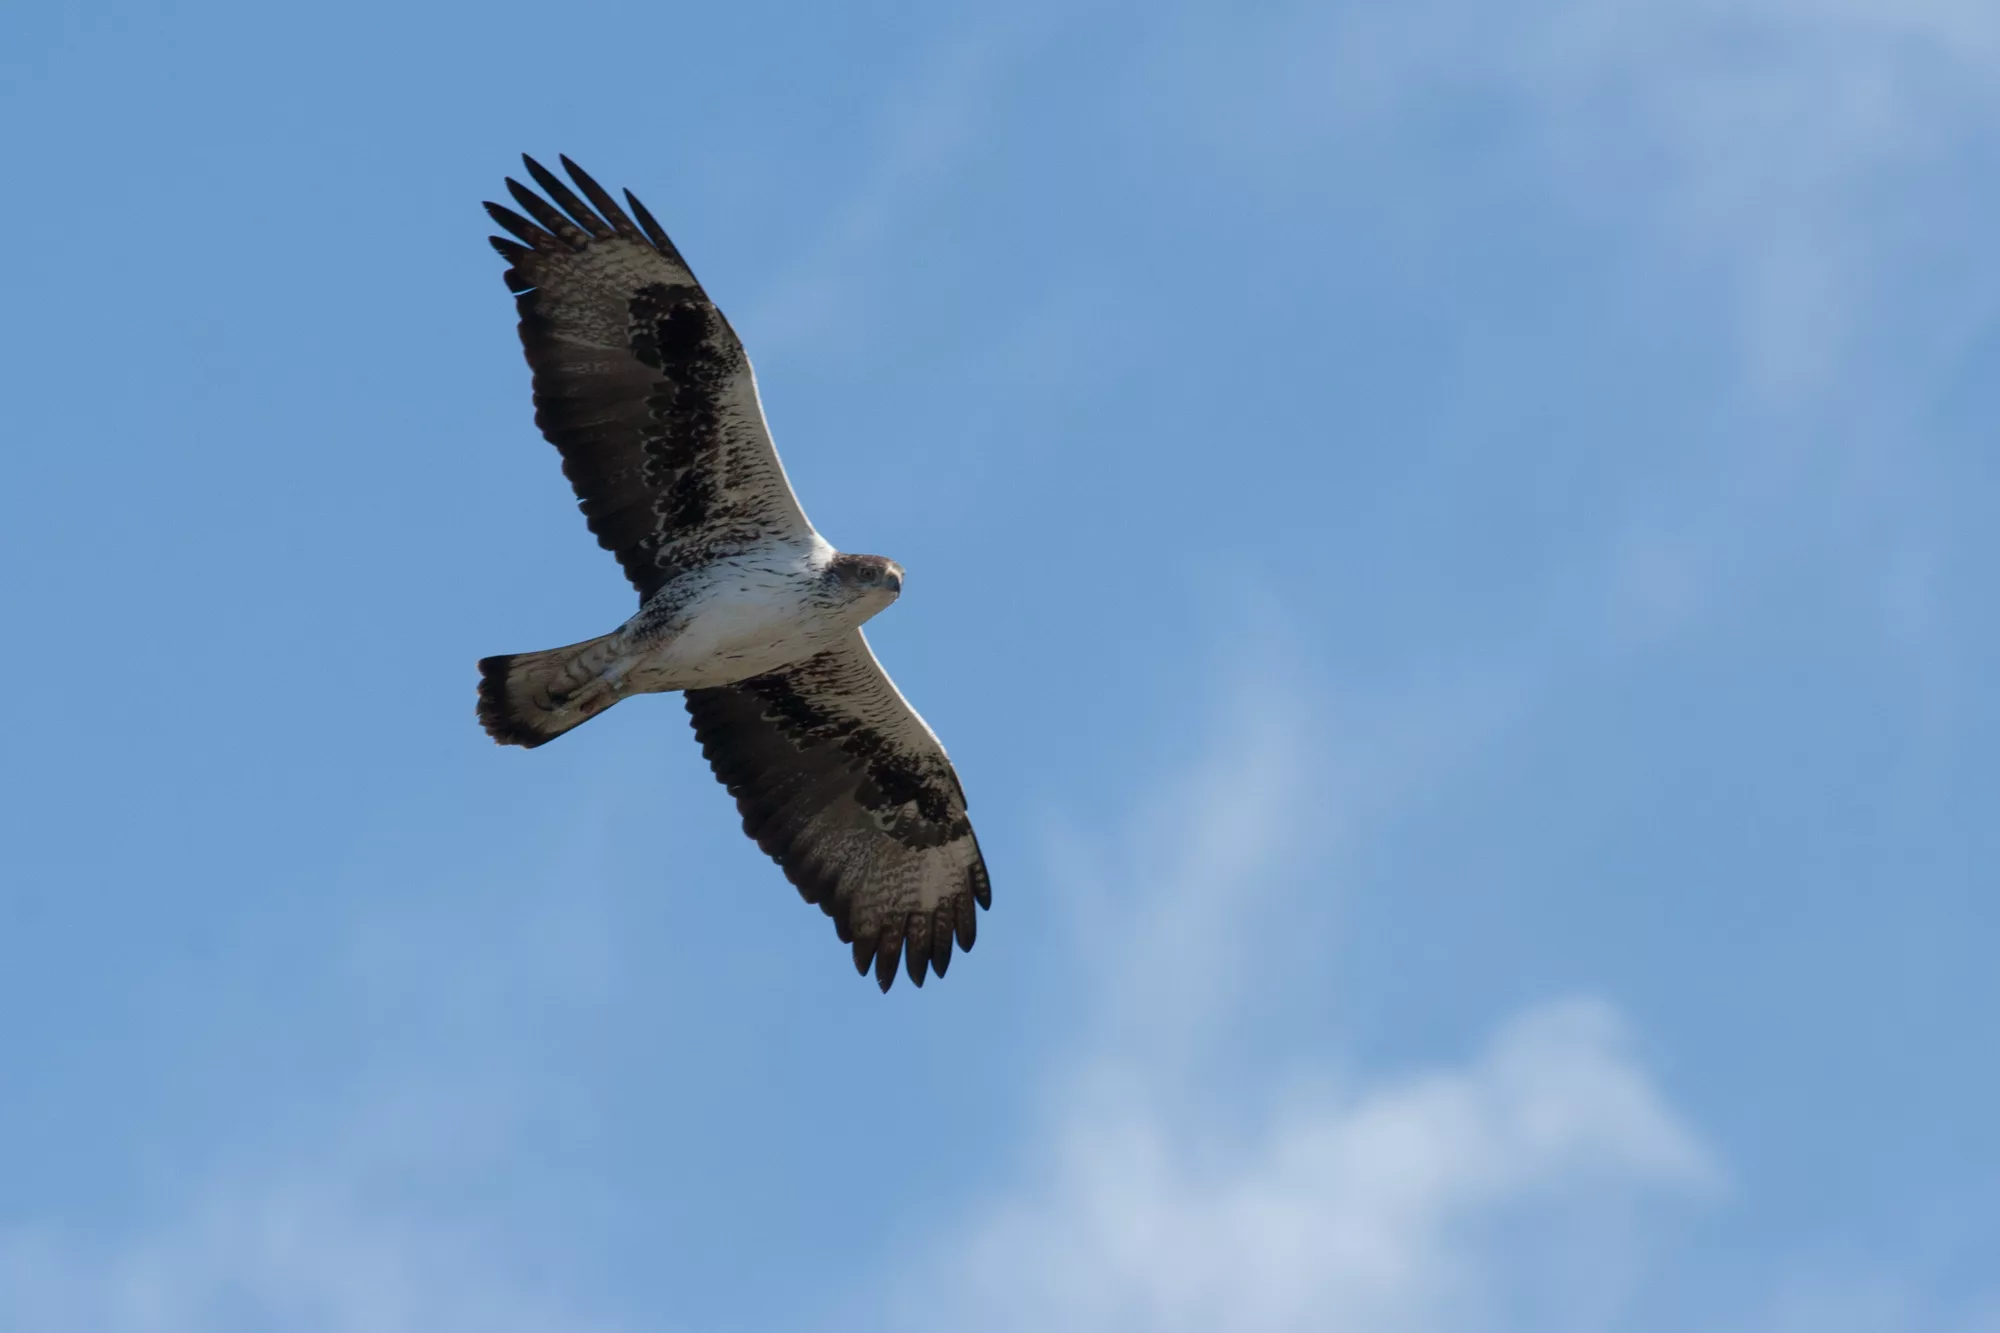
x: 869, y: 574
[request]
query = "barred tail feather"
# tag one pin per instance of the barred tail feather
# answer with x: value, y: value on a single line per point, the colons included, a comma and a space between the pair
x: 529, y: 699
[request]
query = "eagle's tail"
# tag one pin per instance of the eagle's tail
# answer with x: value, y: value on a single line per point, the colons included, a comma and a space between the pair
x: 529, y: 699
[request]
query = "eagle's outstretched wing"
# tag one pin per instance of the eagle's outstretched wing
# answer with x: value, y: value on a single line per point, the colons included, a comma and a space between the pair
x: 842, y: 783
x: 640, y: 383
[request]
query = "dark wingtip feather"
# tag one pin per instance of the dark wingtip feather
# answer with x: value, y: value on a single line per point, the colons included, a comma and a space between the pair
x: 565, y: 199
x: 515, y: 254
x: 542, y: 211
x: 864, y: 955
x: 968, y: 923
x: 917, y: 947
x: 941, y: 922
x: 654, y: 231
x: 599, y: 197
x: 886, y: 957
x: 513, y: 222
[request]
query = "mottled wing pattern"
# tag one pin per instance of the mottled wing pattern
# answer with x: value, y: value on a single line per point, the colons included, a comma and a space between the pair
x: 840, y: 781
x: 640, y: 383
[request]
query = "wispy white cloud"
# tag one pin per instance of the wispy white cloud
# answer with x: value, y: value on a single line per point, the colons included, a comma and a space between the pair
x: 1812, y: 162
x: 1806, y: 183
x: 1425, y: 1202
x: 1164, y: 1192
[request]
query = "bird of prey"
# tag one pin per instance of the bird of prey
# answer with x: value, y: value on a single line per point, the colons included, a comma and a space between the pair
x: 644, y: 389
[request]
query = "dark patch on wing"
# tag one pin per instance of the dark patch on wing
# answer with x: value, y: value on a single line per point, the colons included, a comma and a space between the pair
x: 677, y: 332
x: 842, y: 785
x: 640, y: 383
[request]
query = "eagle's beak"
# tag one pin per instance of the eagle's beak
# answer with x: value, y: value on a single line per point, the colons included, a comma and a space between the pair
x: 894, y: 581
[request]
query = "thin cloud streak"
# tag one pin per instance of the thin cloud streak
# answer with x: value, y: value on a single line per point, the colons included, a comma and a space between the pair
x: 1800, y: 157
x: 1382, y: 1208
x: 1809, y: 181
x: 1160, y: 1195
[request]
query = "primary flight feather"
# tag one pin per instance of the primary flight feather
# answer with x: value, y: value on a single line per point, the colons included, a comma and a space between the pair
x: 646, y: 392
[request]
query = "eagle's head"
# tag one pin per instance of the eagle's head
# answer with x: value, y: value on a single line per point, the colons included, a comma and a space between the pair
x: 867, y: 583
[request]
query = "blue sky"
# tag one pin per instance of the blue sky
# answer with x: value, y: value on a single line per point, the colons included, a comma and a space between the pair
x: 1452, y: 547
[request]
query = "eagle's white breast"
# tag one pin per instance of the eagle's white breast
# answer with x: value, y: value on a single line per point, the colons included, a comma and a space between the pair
x: 741, y: 616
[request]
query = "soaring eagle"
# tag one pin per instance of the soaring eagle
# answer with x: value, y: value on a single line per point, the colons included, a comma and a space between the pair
x: 645, y: 390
